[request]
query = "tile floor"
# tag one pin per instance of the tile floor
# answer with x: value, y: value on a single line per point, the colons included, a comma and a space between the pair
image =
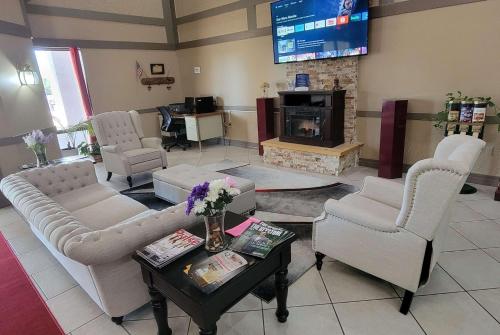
x: 462, y: 297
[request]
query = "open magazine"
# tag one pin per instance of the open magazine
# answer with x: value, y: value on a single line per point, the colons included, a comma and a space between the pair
x: 169, y: 248
x: 211, y: 273
x: 259, y: 239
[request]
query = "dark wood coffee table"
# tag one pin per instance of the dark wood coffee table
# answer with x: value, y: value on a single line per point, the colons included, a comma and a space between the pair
x: 206, y: 309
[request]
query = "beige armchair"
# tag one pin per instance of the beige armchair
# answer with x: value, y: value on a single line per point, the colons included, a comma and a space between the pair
x: 124, y: 148
x: 395, y: 231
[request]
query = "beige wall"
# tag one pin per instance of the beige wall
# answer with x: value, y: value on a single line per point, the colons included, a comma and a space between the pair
x: 150, y: 8
x: 70, y: 28
x: 187, y: 7
x: 22, y: 108
x: 11, y: 12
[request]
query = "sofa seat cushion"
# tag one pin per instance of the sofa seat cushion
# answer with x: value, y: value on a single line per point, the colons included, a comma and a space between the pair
x: 385, y: 214
x: 84, y: 196
x: 137, y: 156
x: 108, y: 212
x: 187, y: 176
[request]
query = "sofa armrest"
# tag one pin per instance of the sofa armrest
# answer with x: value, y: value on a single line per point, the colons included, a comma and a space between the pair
x: 112, y: 149
x: 357, y: 216
x: 151, y: 142
x: 382, y: 190
x: 123, y: 239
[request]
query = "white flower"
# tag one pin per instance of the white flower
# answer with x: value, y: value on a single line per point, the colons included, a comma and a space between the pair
x: 29, y: 140
x: 212, y: 196
x: 233, y: 191
x: 217, y: 186
x: 199, y: 206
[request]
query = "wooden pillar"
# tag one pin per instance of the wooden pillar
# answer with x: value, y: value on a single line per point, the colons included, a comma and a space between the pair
x: 265, y: 121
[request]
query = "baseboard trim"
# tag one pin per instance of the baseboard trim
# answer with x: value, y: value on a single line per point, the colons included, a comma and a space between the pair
x: 475, y: 178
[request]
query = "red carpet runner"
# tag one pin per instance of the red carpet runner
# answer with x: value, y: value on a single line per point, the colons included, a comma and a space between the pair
x: 22, y: 309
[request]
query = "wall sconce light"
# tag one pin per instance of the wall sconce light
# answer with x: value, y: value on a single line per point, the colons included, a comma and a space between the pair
x: 27, y: 76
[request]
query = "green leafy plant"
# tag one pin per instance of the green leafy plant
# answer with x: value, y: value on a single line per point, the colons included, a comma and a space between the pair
x: 442, y: 116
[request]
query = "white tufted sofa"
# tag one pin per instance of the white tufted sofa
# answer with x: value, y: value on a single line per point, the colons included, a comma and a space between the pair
x: 396, y: 231
x: 92, y: 230
x: 124, y: 148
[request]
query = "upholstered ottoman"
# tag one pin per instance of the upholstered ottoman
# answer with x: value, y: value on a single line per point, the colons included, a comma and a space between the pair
x: 175, y: 184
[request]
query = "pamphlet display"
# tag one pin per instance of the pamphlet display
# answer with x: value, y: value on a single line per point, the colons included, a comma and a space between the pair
x: 466, y: 118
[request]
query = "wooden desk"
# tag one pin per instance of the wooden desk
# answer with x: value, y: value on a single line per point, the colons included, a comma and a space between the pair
x: 204, y: 126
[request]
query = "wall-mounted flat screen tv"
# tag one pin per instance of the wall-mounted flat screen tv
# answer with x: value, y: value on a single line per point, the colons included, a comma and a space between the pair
x: 318, y: 29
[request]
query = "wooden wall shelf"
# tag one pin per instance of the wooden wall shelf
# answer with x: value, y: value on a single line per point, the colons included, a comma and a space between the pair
x: 158, y: 81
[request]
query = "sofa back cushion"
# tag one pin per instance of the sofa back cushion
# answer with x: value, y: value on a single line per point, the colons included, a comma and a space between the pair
x: 55, y: 223
x: 63, y: 178
x: 116, y: 128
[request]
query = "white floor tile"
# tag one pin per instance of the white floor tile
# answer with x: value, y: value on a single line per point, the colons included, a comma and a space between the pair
x: 239, y: 323
x: 25, y: 243
x: 308, y: 290
x: 439, y: 282
x: 178, y: 325
x: 376, y: 317
x: 7, y: 216
x: 489, y: 208
x: 100, y: 326
x: 490, y: 300
x: 472, y: 269
x: 453, y: 314
x: 54, y: 280
x: 462, y: 213
x: 345, y: 283
x: 455, y: 241
x: 73, y: 309
x: 248, y: 303
x: 37, y: 260
x: 485, y: 234
x: 16, y: 229
x: 317, y: 320
x: 146, y: 312
x: 493, y: 252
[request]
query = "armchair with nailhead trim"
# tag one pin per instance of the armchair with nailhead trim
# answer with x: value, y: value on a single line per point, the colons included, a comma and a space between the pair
x: 395, y: 231
x: 125, y: 150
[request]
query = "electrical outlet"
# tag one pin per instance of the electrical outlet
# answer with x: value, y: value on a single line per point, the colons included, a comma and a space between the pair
x: 197, y: 70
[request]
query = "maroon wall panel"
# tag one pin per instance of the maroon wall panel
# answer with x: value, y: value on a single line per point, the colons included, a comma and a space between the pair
x: 392, y: 138
x: 265, y: 120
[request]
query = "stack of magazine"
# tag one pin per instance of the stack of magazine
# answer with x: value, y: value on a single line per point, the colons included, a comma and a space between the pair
x: 259, y: 239
x: 168, y: 249
x: 216, y: 270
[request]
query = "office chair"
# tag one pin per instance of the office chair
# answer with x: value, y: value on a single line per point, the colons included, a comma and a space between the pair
x: 176, y: 126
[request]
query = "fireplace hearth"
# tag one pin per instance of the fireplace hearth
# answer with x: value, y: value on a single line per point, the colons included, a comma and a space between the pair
x: 313, y: 117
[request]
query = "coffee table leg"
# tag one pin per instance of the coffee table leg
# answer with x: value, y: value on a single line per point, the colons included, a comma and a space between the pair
x: 211, y: 331
x: 160, y: 311
x: 281, y: 285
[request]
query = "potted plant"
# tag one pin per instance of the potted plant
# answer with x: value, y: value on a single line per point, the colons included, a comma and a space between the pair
x: 210, y: 200
x: 89, y: 149
x: 451, y: 111
x: 37, y: 141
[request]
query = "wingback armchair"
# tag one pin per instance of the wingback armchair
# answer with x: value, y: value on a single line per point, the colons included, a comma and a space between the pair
x: 125, y: 150
x: 395, y: 231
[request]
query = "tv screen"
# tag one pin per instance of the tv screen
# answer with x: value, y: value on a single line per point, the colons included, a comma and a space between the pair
x: 318, y: 29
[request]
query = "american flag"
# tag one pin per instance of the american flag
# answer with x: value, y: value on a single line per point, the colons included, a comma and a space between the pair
x: 139, y: 72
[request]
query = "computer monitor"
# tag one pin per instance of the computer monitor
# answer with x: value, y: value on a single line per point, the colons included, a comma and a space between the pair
x: 205, y: 104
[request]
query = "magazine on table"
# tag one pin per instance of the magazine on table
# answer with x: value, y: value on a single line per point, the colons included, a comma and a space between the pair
x: 211, y: 273
x: 259, y: 239
x: 169, y: 248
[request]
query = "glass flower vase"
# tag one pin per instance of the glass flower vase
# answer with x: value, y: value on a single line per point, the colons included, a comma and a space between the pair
x: 214, y: 225
x: 41, y: 156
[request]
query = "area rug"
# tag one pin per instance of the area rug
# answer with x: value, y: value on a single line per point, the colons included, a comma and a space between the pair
x: 22, y: 309
x: 306, y: 202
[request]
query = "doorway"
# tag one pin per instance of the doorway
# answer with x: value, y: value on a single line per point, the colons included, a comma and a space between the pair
x: 61, y: 82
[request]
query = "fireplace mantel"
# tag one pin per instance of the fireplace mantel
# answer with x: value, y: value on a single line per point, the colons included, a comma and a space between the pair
x: 312, y: 117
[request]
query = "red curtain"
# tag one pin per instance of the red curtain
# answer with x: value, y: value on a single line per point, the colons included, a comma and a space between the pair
x: 80, y: 77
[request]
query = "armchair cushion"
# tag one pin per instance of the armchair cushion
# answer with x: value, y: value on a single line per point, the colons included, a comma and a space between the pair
x: 113, y: 149
x: 142, y: 155
x: 151, y: 142
x: 383, y: 190
x: 364, y: 212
